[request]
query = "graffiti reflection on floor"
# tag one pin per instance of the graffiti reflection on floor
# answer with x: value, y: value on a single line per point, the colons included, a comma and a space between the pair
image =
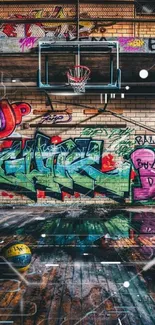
x: 88, y: 267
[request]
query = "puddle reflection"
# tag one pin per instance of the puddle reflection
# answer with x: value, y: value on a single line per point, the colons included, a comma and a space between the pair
x: 88, y: 269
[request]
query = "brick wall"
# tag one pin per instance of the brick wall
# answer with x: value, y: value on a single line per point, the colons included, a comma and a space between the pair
x: 104, y: 159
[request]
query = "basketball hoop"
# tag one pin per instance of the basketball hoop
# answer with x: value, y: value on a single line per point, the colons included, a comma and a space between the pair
x: 77, y: 78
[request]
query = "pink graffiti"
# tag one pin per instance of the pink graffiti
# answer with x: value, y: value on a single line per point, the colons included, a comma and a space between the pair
x: 27, y: 42
x: 144, y: 162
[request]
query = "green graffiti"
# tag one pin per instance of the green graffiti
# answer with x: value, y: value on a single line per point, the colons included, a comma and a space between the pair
x: 73, y: 165
x: 119, y: 139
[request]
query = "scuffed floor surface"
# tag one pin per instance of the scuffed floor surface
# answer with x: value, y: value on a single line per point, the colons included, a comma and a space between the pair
x: 87, y: 267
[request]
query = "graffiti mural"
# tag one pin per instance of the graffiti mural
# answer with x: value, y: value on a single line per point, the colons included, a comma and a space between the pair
x: 111, y: 166
x: 48, y: 29
x: 20, y: 42
x: 73, y: 166
x: 119, y: 139
x: 38, y: 29
x: 132, y: 44
x: 11, y: 115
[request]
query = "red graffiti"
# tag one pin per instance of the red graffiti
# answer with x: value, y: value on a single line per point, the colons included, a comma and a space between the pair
x: 9, y: 30
x: 133, y: 174
x: 6, y: 144
x: 56, y: 139
x: 11, y: 115
x: 76, y: 195
x: 64, y: 194
x: 108, y: 163
x: 40, y: 194
x: 4, y: 194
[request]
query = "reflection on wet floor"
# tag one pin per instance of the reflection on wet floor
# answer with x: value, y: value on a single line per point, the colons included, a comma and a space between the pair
x: 87, y: 268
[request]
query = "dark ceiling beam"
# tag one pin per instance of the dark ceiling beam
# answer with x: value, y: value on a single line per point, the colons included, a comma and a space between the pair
x: 34, y: 54
x: 58, y: 2
x: 129, y: 20
x: 16, y: 2
x: 74, y: 20
x: 138, y: 90
x: 41, y: 20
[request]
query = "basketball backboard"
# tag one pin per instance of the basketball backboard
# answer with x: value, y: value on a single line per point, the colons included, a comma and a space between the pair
x: 57, y: 57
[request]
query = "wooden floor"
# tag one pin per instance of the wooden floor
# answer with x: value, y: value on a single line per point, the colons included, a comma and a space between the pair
x: 77, y: 276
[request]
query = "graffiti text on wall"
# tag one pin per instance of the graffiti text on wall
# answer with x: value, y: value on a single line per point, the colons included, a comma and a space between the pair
x: 143, y: 160
x: 55, y: 166
x: 11, y: 115
x: 48, y: 29
x: 132, y: 44
x: 118, y: 139
x: 145, y: 139
x: 27, y: 43
x: 22, y: 43
x: 48, y: 166
x: 56, y: 119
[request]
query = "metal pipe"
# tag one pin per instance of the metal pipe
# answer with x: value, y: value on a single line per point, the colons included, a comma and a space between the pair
x: 111, y: 68
x: 78, y: 125
x: 46, y: 69
x: 78, y: 17
x: 117, y: 54
x: 36, y: 20
x: 39, y: 66
x: 73, y: 20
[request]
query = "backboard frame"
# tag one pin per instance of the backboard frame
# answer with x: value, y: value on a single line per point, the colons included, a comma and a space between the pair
x: 110, y: 47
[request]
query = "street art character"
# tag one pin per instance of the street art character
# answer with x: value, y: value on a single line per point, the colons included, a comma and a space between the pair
x: 48, y: 29
x: 11, y: 115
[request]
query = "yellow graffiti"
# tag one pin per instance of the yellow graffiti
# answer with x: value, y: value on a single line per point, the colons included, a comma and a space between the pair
x: 136, y: 43
x: 60, y: 14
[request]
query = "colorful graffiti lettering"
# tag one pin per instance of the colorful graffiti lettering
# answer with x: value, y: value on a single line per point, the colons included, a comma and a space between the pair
x: 21, y: 42
x: 11, y: 115
x: 108, y: 163
x: 38, y: 29
x: 28, y: 42
x: 71, y: 166
x: 48, y: 29
x: 119, y: 139
x: 93, y: 132
x: 143, y: 160
x: 145, y: 139
x: 132, y: 44
x: 49, y: 166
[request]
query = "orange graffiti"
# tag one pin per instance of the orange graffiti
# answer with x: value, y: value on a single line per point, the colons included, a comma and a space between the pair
x: 108, y: 163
